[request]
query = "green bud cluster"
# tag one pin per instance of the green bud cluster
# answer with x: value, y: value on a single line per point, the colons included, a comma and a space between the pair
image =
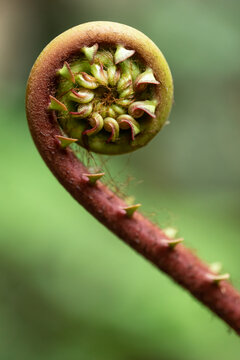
x: 104, y: 94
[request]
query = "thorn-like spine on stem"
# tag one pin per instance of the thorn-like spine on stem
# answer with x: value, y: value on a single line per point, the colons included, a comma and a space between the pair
x: 65, y: 141
x: 92, y: 178
x: 174, y: 242
x: 90, y: 52
x: 130, y: 210
x: 66, y: 72
x: 122, y: 54
x: 56, y: 105
x: 216, y: 279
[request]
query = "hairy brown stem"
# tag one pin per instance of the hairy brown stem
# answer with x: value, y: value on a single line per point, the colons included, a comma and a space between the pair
x: 146, y: 238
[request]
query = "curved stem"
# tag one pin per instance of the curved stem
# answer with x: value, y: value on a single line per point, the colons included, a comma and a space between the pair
x: 146, y: 238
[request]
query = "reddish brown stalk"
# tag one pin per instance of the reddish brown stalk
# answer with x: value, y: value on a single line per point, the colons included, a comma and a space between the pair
x: 146, y: 238
x: 137, y: 231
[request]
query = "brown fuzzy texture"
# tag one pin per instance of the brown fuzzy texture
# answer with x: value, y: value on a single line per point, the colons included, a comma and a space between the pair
x: 146, y: 238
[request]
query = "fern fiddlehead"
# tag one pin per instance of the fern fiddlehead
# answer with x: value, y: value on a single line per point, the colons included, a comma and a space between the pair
x: 108, y: 88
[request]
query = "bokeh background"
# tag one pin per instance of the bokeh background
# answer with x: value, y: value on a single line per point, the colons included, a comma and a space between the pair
x: 69, y: 289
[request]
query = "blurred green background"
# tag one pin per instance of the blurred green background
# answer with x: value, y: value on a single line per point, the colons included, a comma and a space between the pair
x: 69, y: 289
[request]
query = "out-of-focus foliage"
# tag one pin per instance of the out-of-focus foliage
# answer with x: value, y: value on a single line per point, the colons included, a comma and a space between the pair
x: 71, y: 290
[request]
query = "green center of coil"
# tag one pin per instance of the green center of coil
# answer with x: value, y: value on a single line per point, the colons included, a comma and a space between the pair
x: 104, y: 95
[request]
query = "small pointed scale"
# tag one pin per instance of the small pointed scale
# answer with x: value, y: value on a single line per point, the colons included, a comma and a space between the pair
x: 216, y: 279
x: 130, y: 210
x: 174, y: 242
x: 92, y: 178
x: 122, y: 54
x: 65, y: 141
x: 147, y: 77
x: 90, y: 52
x: 66, y: 72
x: 57, y: 105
